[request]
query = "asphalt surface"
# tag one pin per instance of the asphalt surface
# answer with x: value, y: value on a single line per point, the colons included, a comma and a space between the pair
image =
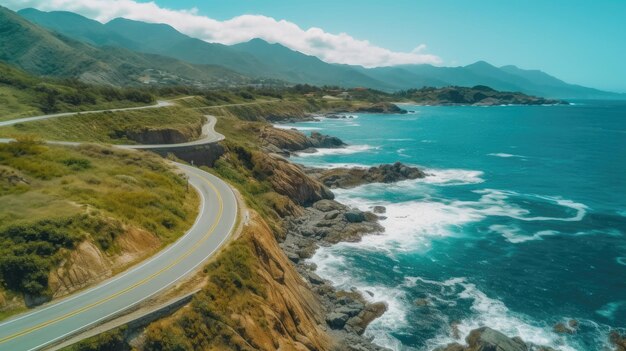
x: 60, y: 319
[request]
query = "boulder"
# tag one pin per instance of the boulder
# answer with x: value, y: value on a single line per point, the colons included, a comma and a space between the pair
x: 487, y: 339
x: 336, y: 320
x: 379, y: 209
x: 355, y: 216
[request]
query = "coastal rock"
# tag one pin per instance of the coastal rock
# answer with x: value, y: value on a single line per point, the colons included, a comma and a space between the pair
x: 618, y: 340
x: 563, y: 328
x: 379, y: 209
x: 329, y: 205
x: 355, y: 216
x: 487, y: 339
x: 352, y: 177
x: 382, y: 107
x: 326, y: 141
x: 291, y: 140
x: 336, y: 320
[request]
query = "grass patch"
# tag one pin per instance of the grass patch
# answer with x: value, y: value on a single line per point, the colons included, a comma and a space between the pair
x: 53, y: 197
x: 109, y: 127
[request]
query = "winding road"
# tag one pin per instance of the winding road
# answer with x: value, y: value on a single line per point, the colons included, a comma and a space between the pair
x: 58, y: 320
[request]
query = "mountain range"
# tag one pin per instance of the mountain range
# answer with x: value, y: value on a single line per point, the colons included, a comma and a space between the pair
x: 103, y: 50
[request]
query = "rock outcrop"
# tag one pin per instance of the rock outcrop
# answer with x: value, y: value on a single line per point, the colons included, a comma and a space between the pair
x: 351, y: 177
x: 290, y: 180
x: 382, y: 107
x: 618, y: 340
x: 285, y: 141
x: 487, y: 339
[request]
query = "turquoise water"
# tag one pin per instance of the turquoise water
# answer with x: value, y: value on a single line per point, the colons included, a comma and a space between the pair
x: 520, y: 225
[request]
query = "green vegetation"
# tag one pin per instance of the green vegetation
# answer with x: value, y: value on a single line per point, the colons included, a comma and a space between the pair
x: 42, y: 52
x: 52, y: 198
x: 113, y: 340
x: 23, y: 95
x: 232, y: 289
x: 111, y: 127
x: 480, y: 94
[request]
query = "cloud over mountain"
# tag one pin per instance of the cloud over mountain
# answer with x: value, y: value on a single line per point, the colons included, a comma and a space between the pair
x: 333, y: 48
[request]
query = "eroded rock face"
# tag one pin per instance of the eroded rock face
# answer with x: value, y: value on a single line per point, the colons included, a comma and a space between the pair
x: 351, y: 177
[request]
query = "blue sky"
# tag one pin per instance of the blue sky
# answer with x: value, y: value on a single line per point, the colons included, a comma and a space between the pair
x: 582, y: 42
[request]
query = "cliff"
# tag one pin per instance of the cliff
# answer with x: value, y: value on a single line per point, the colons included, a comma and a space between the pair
x: 254, y: 300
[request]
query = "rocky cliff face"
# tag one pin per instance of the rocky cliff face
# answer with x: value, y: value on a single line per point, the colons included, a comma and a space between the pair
x: 254, y: 300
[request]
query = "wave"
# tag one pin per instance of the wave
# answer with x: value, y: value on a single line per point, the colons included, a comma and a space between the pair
x: 352, y: 149
x: 287, y: 127
x: 452, y: 176
x: 500, y: 207
x: 514, y: 235
x: 608, y: 310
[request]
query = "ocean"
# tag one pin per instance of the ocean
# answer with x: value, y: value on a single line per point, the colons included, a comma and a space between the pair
x: 521, y: 223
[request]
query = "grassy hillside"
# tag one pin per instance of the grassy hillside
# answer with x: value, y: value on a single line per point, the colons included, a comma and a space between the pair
x: 53, y: 198
x: 111, y: 127
x: 24, y: 95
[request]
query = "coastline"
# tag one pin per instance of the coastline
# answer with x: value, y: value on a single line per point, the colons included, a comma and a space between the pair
x: 473, y: 336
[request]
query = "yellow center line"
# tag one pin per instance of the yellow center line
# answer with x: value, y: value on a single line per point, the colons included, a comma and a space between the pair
x: 139, y: 283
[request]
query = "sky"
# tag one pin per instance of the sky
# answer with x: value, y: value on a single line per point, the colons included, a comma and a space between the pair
x: 582, y: 42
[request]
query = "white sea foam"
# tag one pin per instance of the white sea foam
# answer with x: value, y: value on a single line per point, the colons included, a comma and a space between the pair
x: 452, y: 177
x: 499, y: 206
x: 621, y: 260
x: 326, y: 165
x: 411, y: 226
x: 301, y: 128
x: 609, y: 309
x: 352, y: 149
x: 515, y: 234
x: 493, y: 313
x: 505, y: 155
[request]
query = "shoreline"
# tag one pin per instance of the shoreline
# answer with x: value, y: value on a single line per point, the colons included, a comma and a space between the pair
x: 307, y: 267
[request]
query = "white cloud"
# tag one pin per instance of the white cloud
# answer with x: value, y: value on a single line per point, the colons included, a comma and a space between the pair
x: 334, y: 48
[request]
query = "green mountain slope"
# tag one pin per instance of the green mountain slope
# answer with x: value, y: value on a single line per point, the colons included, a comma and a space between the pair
x: 42, y: 52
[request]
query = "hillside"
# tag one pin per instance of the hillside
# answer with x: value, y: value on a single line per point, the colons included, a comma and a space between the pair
x: 74, y: 216
x: 24, y: 95
x: 260, y: 59
x: 41, y: 52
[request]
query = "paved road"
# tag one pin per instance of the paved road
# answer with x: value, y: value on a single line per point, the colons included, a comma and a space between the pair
x: 60, y: 319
